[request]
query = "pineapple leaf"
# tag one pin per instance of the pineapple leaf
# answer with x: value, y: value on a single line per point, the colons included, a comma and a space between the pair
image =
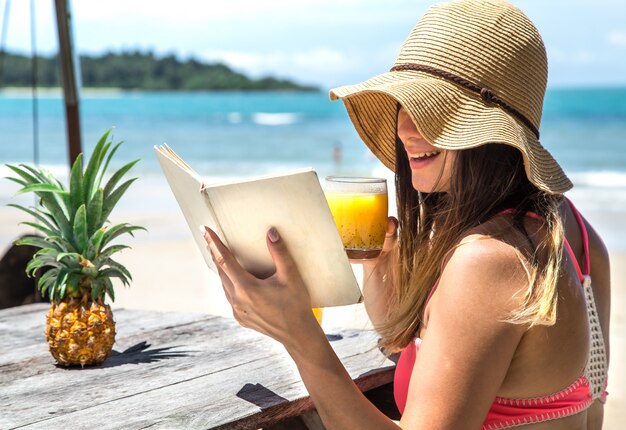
x: 61, y: 283
x: 80, y: 228
x: 28, y: 178
x: 48, y: 200
x: 95, y: 161
x: 37, y: 241
x: 118, y: 230
x: 47, y: 279
x: 62, y: 244
x: 33, y: 265
x: 62, y: 255
x: 115, y: 265
x: 40, y: 188
x: 109, y: 287
x: 106, y: 163
x: 71, y: 262
x: 40, y: 227
x: 113, y: 272
x: 59, y: 217
x: 35, y: 213
x: 117, y: 176
x: 38, y: 261
x: 73, y: 283
x: 94, y: 212
x: 110, y: 200
x: 47, y: 251
x: 91, y: 272
x: 105, y: 254
x: 76, y: 187
x: 47, y: 176
x: 95, y: 244
x: 17, y: 180
x: 97, y: 288
x: 44, y: 177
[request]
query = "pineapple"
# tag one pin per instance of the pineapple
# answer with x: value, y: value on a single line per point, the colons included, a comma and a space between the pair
x: 77, y: 250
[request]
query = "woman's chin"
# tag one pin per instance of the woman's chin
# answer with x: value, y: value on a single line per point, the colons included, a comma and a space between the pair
x: 427, y: 187
x: 422, y: 187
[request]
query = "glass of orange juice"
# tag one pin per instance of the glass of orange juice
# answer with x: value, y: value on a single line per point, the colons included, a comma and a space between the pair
x: 359, y: 207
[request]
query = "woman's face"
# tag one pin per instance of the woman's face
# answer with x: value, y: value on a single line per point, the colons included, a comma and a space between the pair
x: 431, y: 168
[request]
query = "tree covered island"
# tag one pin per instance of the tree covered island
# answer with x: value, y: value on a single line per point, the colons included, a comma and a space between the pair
x: 137, y: 70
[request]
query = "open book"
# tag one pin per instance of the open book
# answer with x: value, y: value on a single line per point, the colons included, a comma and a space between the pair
x: 241, y: 212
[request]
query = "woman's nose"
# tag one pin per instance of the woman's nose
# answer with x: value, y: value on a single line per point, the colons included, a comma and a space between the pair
x: 407, y: 129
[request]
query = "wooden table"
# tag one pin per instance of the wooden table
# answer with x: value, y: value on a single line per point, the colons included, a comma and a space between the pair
x: 167, y: 371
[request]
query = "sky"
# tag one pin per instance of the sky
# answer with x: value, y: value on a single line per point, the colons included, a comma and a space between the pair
x: 321, y: 42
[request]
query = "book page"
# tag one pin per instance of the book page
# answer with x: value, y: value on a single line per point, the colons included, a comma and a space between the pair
x: 186, y: 186
x: 296, y: 206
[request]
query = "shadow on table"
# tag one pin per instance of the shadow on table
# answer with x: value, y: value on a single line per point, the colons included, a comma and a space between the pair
x: 137, y: 354
x: 260, y: 396
x: 141, y: 353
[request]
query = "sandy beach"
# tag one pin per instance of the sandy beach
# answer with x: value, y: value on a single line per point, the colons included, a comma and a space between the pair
x: 169, y: 274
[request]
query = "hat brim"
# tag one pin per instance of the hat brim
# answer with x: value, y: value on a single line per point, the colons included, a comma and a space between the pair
x: 448, y: 117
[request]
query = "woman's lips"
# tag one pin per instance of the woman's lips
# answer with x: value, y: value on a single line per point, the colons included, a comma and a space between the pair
x: 419, y: 163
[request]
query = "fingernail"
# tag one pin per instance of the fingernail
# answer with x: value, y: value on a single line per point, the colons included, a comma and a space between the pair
x: 205, y: 233
x: 273, y: 235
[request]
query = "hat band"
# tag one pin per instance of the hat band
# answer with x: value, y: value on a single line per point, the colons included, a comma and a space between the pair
x: 486, y: 94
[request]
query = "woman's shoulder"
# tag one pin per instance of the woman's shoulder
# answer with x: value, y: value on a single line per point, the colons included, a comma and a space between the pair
x: 493, y: 243
x: 483, y: 269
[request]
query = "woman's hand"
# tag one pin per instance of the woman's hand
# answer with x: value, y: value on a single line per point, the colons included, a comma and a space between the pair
x: 391, y: 240
x: 279, y: 306
x: 377, y: 276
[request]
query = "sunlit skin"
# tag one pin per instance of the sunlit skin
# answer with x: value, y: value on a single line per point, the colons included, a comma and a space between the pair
x: 425, y: 173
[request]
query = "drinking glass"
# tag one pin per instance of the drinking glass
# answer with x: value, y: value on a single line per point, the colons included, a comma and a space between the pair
x: 359, y: 206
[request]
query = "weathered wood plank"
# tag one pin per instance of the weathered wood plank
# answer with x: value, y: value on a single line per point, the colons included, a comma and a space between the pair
x: 22, y: 336
x: 176, y: 354
x: 202, y: 373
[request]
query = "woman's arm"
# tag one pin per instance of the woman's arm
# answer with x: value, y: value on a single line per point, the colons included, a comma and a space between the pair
x: 280, y: 307
x: 377, y: 276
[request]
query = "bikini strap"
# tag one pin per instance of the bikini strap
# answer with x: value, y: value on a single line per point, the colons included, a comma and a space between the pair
x: 586, y: 269
x: 586, y: 265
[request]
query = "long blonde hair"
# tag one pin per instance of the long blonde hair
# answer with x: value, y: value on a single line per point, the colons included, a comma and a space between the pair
x: 485, y: 181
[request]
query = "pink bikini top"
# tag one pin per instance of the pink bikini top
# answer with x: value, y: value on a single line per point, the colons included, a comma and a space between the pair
x: 505, y: 412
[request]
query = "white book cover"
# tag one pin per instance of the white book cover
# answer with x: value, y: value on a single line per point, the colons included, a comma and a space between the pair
x: 241, y: 212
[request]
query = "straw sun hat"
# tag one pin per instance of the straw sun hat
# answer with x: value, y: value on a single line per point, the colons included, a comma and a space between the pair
x: 471, y: 72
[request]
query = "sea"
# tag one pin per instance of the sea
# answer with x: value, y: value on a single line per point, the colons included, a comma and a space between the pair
x: 240, y: 134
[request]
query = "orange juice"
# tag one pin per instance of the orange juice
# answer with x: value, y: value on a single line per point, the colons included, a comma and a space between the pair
x: 361, y: 219
x: 318, y: 312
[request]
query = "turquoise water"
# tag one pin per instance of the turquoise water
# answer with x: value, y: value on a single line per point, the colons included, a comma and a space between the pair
x: 223, y: 134
x: 243, y: 134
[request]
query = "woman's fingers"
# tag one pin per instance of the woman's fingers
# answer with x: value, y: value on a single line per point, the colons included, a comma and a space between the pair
x: 224, y: 259
x: 285, y: 265
x: 227, y: 285
x: 391, y: 236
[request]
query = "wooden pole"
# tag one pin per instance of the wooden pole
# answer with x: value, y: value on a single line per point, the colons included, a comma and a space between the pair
x: 70, y: 76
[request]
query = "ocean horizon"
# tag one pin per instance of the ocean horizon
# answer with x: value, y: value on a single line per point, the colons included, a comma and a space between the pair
x: 225, y: 135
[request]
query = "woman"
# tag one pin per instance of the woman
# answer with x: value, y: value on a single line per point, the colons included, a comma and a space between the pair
x: 484, y: 283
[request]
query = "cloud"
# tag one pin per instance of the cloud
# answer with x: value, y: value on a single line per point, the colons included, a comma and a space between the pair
x: 579, y: 57
x: 319, y: 65
x: 617, y: 38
